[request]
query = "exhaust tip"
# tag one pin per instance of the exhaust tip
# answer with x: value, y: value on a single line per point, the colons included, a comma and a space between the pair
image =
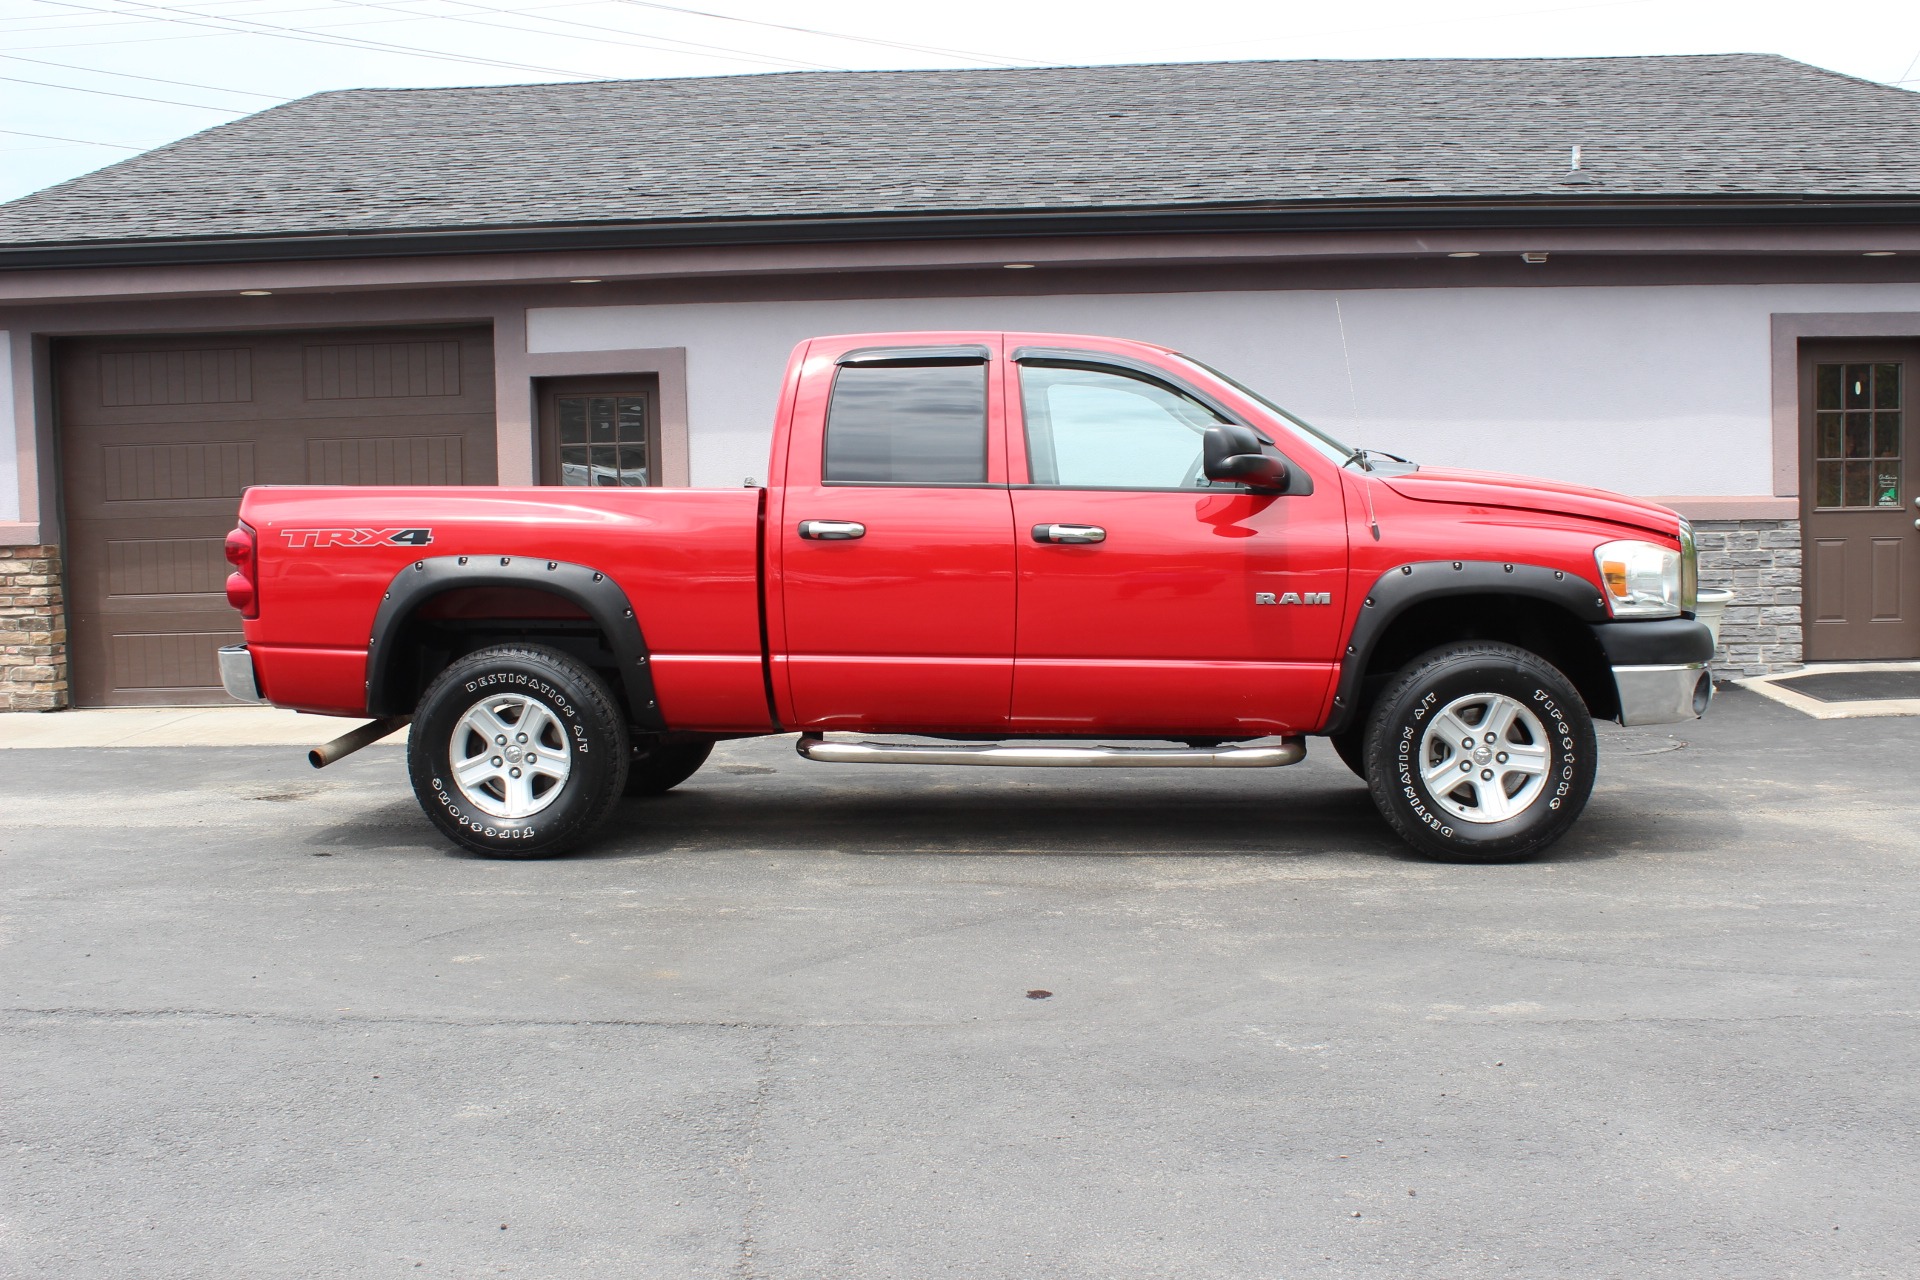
x: 1702, y: 693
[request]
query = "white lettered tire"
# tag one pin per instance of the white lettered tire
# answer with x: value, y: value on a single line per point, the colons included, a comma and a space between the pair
x: 1480, y: 752
x: 517, y: 751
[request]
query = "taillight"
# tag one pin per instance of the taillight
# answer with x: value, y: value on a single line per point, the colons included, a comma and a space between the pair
x: 242, y: 593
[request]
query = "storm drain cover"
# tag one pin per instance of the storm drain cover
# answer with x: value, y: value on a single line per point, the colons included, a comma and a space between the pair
x: 1854, y: 686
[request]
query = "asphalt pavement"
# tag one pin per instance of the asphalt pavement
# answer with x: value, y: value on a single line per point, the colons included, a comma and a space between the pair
x: 799, y: 1020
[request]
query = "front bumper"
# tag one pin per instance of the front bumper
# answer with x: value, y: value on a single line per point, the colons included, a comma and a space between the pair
x: 236, y: 673
x: 1659, y: 668
x: 1663, y: 694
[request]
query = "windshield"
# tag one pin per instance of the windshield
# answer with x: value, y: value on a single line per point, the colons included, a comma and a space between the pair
x: 1333, y: 448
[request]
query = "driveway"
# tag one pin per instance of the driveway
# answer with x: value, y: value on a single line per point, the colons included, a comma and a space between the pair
x: 793, y: 1021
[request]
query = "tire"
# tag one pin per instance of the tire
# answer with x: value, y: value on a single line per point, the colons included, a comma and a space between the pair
x: 543, y: 802
x: 1351, y: 746
x: 655, y: 769
x: 1508, y: 805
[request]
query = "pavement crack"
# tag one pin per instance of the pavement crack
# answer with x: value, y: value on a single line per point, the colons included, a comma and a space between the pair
x: 402, y: 1019
x: 746, y: 1266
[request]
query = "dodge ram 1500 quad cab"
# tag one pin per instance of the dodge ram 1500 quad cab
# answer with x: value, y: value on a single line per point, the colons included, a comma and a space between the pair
x: 1018, y: 549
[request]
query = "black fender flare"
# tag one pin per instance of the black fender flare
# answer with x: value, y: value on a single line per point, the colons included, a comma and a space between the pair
x: 1406, y: 585
x: 594, y: 591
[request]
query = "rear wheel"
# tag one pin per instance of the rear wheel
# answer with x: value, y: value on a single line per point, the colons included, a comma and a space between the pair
x: 656, y: 768
x: 1480, y: 752
x: 517, y: 751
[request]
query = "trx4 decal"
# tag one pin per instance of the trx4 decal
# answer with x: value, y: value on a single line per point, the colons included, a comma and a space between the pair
x: 358, y: 537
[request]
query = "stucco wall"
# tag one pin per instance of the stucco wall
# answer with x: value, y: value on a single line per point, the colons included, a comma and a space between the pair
x: 1650, y: 390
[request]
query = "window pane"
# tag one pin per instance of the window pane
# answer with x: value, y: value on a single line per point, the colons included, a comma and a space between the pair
x: 1826, y: 381
x: 924, y: 424
x: 573, y: 464
x: 1859, y: 435
x: 633, y: 464
x: 600, y: 420
x: 1855, y: 388
x: 1829, y: 441
x: 573, y: 420
x: 1859, y: 484
x: 1886, y: 435
x: 606, y: 465
x: 1886, y: 386
x: 632, y: 426
x: 1886, y: 485
x: 1101, y: 428
x: 1829, y: 493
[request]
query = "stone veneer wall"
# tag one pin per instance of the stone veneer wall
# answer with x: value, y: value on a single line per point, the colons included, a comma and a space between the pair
x: 1759, y: 561
x: 33, y: 630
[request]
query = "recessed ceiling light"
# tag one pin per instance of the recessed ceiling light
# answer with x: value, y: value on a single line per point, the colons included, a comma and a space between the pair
x: 256, y: 293
x: 1018, y: 266
x: 586, y: 280
x: 1467, y: 253
x: 1878, y: 253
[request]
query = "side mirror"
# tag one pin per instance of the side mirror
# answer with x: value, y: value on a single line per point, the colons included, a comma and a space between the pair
x: 1232, y: 453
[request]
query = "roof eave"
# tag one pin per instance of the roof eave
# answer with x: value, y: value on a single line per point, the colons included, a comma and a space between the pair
x: 1400, y: 214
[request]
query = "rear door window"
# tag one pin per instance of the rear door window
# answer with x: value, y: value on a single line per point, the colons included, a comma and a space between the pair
x: 908, y: 424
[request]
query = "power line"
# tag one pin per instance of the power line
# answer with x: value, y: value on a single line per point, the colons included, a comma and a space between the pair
x: 85, y: 142
x: 962, y: 54
x: 130, y: 97
x: 338, y: 42
x: 128, y: 75
x: 723, y: 52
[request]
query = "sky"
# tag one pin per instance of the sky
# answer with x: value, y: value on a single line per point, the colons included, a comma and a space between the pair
x: 84, y: 83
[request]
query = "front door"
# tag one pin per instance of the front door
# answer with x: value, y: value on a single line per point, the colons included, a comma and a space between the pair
x: 1150, y: 600
x: 1862, y: 552
x: 895, y: 542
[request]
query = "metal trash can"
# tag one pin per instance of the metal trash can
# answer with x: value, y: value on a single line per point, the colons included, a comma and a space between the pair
x: 1712, y: 606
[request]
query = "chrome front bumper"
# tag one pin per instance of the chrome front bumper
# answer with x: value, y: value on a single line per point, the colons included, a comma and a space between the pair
x: 236, y: 673
x: 1663, y: 694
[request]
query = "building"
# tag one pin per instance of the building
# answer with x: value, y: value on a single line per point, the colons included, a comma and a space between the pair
x: 1650, y: 274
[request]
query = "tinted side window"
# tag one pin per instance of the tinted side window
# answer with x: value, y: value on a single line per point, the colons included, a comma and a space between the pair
x: 911, y: 424
x: 1108, y: 428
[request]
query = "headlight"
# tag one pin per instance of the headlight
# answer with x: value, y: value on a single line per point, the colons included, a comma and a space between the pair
x: 1642, y: 579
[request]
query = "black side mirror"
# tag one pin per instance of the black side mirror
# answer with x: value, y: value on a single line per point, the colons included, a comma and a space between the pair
x: 1232, y: 453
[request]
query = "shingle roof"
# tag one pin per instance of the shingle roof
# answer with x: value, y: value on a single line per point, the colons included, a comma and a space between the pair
x: 820, y: 144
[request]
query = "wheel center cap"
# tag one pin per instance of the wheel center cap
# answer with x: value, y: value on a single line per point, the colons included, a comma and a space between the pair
x: 1482, y: 754
x: 513, y: 754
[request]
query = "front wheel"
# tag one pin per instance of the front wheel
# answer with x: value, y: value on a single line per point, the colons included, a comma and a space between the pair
x: 1480, y: 752
x: 517, y: 751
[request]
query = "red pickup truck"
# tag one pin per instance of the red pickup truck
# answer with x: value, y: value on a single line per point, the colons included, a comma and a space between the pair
x: 1020, y: 549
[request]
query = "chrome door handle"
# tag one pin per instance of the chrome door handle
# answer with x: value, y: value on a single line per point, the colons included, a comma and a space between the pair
x: 1069, y: 533
x: 831, y: 530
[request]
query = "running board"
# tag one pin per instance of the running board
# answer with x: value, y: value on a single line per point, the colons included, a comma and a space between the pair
x: 1289, y: 751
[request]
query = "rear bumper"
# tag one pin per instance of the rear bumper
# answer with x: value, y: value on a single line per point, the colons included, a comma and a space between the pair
x: 1659, y: 668
x: 236, y: 673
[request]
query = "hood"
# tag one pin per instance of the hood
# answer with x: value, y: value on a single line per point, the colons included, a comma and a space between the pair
x: 1526, y: 493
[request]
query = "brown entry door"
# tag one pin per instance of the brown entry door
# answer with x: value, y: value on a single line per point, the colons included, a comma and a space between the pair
x: 1862, y: 550
x: 161, y: 435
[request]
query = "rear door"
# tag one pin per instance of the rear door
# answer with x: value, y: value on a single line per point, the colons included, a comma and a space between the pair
x: 895, y: 542
x: 1152, y: 602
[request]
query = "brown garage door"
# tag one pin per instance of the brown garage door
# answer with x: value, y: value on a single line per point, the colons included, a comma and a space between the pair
x: 159, y: 437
